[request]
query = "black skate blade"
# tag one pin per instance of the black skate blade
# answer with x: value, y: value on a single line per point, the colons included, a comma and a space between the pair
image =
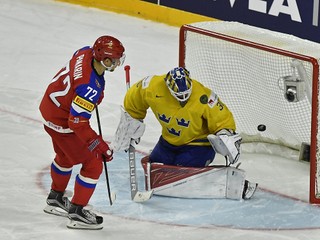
x: 81, y: 225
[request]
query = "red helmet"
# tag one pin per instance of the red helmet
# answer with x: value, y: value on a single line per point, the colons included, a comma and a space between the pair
x: 107, y: 47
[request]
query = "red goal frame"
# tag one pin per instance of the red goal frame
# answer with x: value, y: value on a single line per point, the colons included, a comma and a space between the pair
x: 315, y: 102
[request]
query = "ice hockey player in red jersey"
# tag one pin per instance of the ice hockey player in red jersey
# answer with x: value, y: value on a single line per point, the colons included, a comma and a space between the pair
x: 66, y: 108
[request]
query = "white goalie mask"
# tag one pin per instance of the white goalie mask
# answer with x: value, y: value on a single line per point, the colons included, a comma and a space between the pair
x: 179, y: 83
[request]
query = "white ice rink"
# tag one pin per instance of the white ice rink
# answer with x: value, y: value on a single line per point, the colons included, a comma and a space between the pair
x: 38, y: 37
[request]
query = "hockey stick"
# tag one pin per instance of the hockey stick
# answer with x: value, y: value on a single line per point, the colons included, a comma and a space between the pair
x: 112, y: 195
x: 136, y: 195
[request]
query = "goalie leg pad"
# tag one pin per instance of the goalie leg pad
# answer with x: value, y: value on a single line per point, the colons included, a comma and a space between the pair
x: 190, y: 182
x: 235, y: 183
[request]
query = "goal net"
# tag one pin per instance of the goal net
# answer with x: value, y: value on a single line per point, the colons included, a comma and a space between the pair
x: 265, y: 78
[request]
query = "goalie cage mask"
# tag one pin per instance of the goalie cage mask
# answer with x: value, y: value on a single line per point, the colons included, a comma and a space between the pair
x: 179, y: 83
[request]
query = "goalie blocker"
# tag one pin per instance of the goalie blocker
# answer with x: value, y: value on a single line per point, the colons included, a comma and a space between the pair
x: 193, y: 182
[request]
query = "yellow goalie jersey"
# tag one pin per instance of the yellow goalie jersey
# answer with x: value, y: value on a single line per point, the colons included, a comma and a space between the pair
x: 203, y: 114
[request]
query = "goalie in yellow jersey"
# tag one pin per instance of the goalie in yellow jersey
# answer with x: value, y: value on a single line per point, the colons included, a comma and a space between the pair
x: 196, y: 125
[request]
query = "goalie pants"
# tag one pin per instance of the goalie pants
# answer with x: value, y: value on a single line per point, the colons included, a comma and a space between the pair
x: 70, y: 151
x: 186, y: 155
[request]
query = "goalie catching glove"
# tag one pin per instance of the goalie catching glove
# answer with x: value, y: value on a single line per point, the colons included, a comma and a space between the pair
x: 227, y: 143
x: 128, y: 129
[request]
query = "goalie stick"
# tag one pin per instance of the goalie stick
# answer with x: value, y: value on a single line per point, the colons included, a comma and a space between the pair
x: 136, y: 195
x: 112, y: 195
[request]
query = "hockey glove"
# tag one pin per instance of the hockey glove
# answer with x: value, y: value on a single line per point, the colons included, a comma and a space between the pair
x: 100, y: 148
x: 227, y: 143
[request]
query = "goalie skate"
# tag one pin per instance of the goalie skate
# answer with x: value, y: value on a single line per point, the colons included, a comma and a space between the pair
x: 81, y: 218
x: 249, y: 189
x: 58, y: 203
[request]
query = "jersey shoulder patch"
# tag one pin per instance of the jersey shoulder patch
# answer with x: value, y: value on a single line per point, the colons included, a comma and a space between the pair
x: 146, y: 81
x: 213, y: 99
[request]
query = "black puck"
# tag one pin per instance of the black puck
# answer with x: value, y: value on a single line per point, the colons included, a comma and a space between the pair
x: 261, y: 128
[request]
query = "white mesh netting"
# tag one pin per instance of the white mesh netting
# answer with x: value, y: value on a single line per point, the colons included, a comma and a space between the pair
x: 246, y: 70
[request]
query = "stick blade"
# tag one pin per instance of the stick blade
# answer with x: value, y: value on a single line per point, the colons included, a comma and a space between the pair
x: 112, y: 198
x: 142, y: 196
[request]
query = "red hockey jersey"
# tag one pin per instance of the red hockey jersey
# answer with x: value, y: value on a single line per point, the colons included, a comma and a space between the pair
x: 72, y: 96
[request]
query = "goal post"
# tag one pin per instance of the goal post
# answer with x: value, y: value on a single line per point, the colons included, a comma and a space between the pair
x: 265, y: 78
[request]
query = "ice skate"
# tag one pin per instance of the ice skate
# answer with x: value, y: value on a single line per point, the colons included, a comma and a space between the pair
x: 249, y: 189
x: 81, y: 218
x: 58, y: 204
